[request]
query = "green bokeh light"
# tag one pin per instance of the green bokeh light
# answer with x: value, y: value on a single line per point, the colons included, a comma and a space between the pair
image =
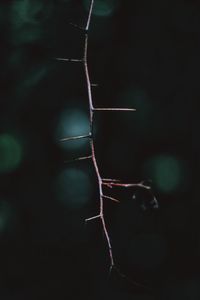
x: 26, y: 19
x: 26, y: 11
x: 27, y: 35
x: 35, y: 77
x: 166, y: 171
x: 24, y: 28
x: 73, y: 188
x: 103, y: 8
x: 10, y: 153
x: 145, y: 112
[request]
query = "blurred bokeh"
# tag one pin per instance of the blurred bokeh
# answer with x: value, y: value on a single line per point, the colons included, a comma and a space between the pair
x: 142, y: 54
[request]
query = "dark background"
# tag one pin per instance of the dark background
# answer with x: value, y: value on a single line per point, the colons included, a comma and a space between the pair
x: 142, y: 54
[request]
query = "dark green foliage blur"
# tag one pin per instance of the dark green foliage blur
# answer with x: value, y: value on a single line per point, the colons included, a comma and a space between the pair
x: 142, y: 54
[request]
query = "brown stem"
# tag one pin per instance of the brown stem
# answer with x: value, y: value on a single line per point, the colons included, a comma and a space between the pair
x: 101, y: 181
x: 91, y: 111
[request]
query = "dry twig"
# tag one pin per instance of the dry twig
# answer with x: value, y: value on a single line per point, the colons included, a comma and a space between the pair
x: 101, y: 180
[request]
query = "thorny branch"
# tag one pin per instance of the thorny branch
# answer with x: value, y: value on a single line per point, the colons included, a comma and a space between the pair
x: 101, y: 181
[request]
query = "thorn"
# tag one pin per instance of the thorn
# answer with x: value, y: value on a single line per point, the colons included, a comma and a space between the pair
x: 109, y: 179
x: 69, y: 59
x: 107, y: 184
x: 94, y: 84
x: 93, y: 218
x: 75, y: 138
x: 114, y: 109
x: 79, y: 158
x: 111, y: 198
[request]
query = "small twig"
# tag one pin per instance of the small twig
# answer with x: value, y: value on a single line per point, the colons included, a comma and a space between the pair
x: 101, y: 181
x: 118, y: 183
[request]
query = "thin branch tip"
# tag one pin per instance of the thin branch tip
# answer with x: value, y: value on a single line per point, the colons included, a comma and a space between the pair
x: 89, y: 15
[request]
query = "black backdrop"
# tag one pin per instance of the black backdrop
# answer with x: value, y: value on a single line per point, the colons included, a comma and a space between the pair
x: 142, y: 54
